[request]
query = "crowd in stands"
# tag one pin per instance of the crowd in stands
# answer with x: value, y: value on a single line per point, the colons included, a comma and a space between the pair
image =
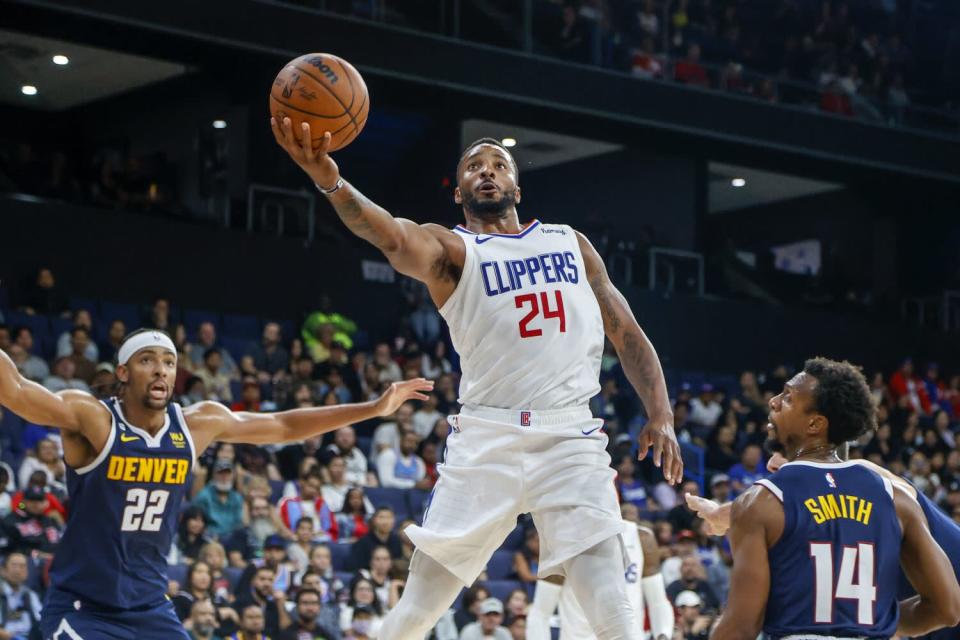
x: 305, y: 540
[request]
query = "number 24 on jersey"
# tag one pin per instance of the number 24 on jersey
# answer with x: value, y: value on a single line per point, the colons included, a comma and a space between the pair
x: 540, y: 306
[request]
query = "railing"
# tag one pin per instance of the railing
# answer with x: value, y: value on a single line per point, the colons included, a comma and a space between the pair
x: 281, y: 211
x: 941, y: 312
x: 519, y: 25
x: 675, y: 271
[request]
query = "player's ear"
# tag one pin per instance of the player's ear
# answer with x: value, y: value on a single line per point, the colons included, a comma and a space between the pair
x: 457, y: 196
x: 122, y: 373
x: 818, y: 424
x: 517, y: 194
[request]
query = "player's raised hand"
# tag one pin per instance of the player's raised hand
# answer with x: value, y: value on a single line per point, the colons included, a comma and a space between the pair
x: 315, y: 161
x: 400, y: 392
x: 659, y: 434
x: 716, y: 522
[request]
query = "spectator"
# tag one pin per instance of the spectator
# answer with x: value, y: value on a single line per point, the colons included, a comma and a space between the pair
x: 259, y: 591
x: 378, y: 573
x: 321, y: 566
x: 518, y: 602
x: 720, y: 488
x: 693, y: 578
x: 329, y: 608
x: 199, y: 587
x: 28, y: 363
x: 64, y: 377
x: 721, y: 448
x: 352, y: 518
x: 249, y: 396
x: 65, y: 342
x: 216, y: 383
x: 20, y: 612
x: 704, y: 409
x: 48, y: 460
x: 904, y: 383
x: 194, y: 391
x: 84, y: 367
x: 434, y: 363
x: 489, y: 624
x: 629, y: 488
x: 648, y: 22
x: 387, y: 435
x: 190, y: 538
x: 299, y: 551
x: 203, y: 621
x: 26, y: 530
x: 689, y: 71
x: 307, y: 626
x: 692, y: 625
x: 56, y: 495
x: 470, y: 606
x: 110, y: 346
x: 751, y: 468
x: 159, y: 316
x: 6, y: 338
x: 270, y: 357
x: 7, y: 487
x: 571, y: 39
x: 215, y: 556
x: 645, y: 61
x: 222, y: 504
x: 363, y: 600
x: 935, y: 388
x: 309, y: 504
x: 246, y: 543
x: 381, y: 534
x: 104, y: 383
x: 426, y: 416
x: 681, y: 517
x: 335, y: 491
x: 428, y: 452
x: 517, y: 626
x: 43, y: 296
x: 402, y: 468
x: 206, y: 340
x: 835, y: 100
x: 345, y: 446
x: 388, y: 370
x: 526, y: 559
x: 251, y: 624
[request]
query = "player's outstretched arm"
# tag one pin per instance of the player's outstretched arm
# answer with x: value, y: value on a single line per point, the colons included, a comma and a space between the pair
x: 640, y: 364
x: 716, y: 516
x: 928, y: 569
x: 414, y: 250
x: 757, y: 522
x: 210, y: 421
x: 37, y: 404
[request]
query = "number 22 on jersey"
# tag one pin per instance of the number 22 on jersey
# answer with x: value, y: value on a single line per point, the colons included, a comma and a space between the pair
x: 540, y: 305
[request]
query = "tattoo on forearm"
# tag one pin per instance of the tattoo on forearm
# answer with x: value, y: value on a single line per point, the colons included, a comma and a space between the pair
x: 355, y: 212
x: 607, y: 310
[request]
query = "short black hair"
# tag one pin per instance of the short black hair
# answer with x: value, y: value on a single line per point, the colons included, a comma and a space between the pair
x: 18, y: 330
x: 495, y: 143
x: 843, y: 397
x: 302, y: 592
x: 209, y: 352
x: 79, y: 329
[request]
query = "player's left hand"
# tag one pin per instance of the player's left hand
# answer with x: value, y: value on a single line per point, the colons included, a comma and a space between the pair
x: 708, y: 510
x: 400, y: 392
x: 658, y: 433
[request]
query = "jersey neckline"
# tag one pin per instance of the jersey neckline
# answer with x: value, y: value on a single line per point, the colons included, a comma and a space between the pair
x: 822, y: 465
x: 527, y: 229
x: 152, y: 441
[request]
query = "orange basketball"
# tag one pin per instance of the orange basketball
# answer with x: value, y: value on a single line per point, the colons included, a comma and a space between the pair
x: 324, y: 91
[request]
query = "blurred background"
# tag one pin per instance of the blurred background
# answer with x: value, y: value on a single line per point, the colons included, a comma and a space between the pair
x: 767, y: 180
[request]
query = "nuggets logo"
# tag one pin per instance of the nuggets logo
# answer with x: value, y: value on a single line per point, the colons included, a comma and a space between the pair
x: 178, y: 440
x: 524, y: 418
x: 831, y: 481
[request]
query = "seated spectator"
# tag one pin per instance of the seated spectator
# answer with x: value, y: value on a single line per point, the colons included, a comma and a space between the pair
x: 65, y: 341
x: 517, y: 626
x: 518, y: 603
x: 200, y: 587
x: 251, y: 624
x: 194, y: 390
x: 648, y: 22
x: 434, y: 363
x: 308, y: 466
x: 110, y: 346
x: 191, y: 536
x: 321, y: 567
x: 345, y: 446
x: 835, y: 100
x: 752, y: 467
x: 363, y: 600
x: 681, y: 517
x: 378, y: 573
x: 7, y: 487
x: 721, y: 452
x: 429, y: 453
x: 246, y: 542
x: 720, y: 490
x: 693, y: 578
x: 426, y: 416
x: 249, y: 396
x: 692, y: 625
x: 352, y: 518
x: 388, y: 369
x: 307, y: 626
x: 206, y: 340
x: 20, y: 612
x: 259, y: 590
x: 270, y: 357
x: 525, y: 560
x: 629, y: 488
x: 489, y: 623
x: 469, y: 610
x: 43, y: 296
x: 64, y: 377
x: 104, y: 383
x: 904, y: 383
x: 334, y: 490
x: 47, y: 460
x: 402, y: 468
x: 26, y: 530
x: 387, y: 435
x: 329, y: 606
x: 299, y: 551
x: 159, y: 316
x: 689, y: 70
x: 332, y: 384
x: 30, y: 365
x: 80, y: 342
x: 309, y: 504
x: 54, y: 503
x: 217, y: 384
x: 221, y: 502
x: 203, y: 621
x: 704, y: 409
x: 215, y: 556
x: 381, y: 534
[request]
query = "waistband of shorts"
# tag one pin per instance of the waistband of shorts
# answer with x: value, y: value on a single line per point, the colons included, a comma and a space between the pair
x: 813, y: 636
x: 529, y: 417
x: 62, y: 596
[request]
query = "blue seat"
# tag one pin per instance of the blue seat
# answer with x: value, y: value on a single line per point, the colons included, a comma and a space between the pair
x: 127, y: 313
x: 500, y: 565
x: 276, y: 490
x: 35, y: 574
x: 364, y: 443
x: 418, y: 500
x: 514, y: 539
x: 61, y: 325
x: 500, y: 589
x: 39, y: 325
x: 89, y: 304
x: 193, y: 318
x: 232, y: 574
x: 237, y: 347
x: 340, y: 555
x: 236, y: 389
x: 237, y: 326
x: 346, y: 577
x: 178, y: 572
x: 396, y: 499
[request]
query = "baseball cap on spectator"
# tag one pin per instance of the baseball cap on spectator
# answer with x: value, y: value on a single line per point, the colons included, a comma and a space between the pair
x: 687, y: 599
x: 491, y: 605
x: 718, y: 478
x: 686, y: 534
x: 953, y: 486
x: 222, y: 465
x: 274, y: 541
x: 34, y: 493
x: 104, y: 366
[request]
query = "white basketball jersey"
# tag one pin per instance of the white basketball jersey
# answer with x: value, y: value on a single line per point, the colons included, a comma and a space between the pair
x: 573, y: 622
x: 525, y: 321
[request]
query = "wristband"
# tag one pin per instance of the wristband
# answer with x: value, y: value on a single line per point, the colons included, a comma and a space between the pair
x: 332, y: 189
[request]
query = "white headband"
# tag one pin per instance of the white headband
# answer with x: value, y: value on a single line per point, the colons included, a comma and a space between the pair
x: 143, y: 341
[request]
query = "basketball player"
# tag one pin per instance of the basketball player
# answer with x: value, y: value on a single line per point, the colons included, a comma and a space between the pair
x: 944, y: 530
x: 129, y: 459
x: 816, y: 546
x: 527, y: 306
x: 644, y: 585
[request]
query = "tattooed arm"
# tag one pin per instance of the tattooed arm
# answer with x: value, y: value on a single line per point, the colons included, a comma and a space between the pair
x: 430, y: 253
x: 640, y: 364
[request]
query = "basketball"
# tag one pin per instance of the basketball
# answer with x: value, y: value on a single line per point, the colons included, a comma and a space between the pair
x: 324, y: 91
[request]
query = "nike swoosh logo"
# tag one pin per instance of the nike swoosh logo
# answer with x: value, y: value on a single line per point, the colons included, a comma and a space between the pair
x: 586, y: 433
x: 482, y: 240
x: 125, y: 438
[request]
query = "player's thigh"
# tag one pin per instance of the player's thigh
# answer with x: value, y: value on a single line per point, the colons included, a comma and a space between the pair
x: 69, y: 624
x: 160, y: 624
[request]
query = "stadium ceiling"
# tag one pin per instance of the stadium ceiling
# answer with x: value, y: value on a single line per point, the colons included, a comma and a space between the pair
x: 92, y: 73
x: 536, y: 148
x: 759, y: 187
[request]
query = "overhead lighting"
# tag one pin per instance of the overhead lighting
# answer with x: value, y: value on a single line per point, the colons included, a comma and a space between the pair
x: 61, y: 60
x: 219, y: 124
x: 738, y: 182
x: 28, y: 90
x: 509, y: 142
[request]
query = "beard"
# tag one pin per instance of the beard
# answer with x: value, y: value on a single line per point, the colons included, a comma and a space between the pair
x: 489, y: 209
x: 156, y: 405
x: 772, y: 445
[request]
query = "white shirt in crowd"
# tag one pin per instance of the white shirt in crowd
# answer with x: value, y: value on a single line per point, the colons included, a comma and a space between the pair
x: 390, y: 466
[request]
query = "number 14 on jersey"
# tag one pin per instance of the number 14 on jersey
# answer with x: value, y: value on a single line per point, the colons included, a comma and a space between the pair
x: 540, y: 306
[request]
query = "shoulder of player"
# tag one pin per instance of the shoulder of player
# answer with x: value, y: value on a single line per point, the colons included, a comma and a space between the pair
x: 201, y: 412
x: 87, y: 407
x: 757, y: 502
x: 646, y: 534
x: 895, y: 480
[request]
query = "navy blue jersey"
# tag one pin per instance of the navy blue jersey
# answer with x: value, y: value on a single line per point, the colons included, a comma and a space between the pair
x: 123, y: 514
x: 834, y: 570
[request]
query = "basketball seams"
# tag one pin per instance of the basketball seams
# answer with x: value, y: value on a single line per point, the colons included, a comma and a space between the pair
x: 328, y: 90
x: 309, y: 113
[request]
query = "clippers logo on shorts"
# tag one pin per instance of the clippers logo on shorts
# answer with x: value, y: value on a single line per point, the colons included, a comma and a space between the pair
x: 524, y: 418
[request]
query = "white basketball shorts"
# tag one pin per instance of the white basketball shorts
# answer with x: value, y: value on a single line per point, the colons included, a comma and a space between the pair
x: 500, y: 463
